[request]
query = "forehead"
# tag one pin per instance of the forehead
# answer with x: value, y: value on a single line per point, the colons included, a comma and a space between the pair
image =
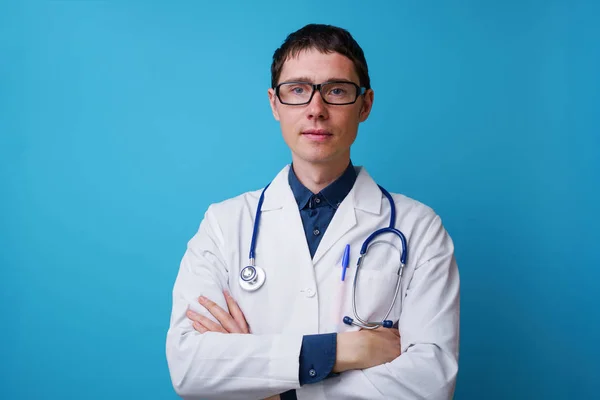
x: 318, y: 67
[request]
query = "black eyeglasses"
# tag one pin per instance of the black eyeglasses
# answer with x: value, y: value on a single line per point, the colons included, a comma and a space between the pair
x: 334, y: 92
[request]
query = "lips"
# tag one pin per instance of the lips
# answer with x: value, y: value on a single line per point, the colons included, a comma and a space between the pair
x: 316, y: 132
x: 317, y: 135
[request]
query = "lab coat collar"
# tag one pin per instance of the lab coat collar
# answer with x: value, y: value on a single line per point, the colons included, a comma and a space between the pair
x: 365, y: 194
x: 333, y: 194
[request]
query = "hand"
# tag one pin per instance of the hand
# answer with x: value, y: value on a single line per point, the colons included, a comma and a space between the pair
x: 366, y: 348
x: 228, y: 323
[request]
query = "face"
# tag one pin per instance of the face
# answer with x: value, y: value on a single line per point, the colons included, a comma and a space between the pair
x: 320, y: 133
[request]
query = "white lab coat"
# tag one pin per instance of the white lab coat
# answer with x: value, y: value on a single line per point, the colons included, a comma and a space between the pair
x: 300, y: 293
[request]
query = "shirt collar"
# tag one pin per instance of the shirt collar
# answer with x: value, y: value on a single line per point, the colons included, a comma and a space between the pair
x: 334, y: 194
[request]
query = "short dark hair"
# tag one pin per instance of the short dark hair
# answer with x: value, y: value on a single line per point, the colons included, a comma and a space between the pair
x: 326, y: 39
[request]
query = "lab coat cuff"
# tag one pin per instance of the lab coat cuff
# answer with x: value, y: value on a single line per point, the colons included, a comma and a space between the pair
x: 284, y: 362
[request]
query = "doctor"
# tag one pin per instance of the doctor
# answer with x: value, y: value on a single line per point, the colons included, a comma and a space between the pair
x: 276, y: 329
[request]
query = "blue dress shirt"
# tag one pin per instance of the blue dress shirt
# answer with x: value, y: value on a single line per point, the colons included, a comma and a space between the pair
x: 318, y: 352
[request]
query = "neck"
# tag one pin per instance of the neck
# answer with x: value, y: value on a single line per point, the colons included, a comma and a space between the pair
x: 317, y: 177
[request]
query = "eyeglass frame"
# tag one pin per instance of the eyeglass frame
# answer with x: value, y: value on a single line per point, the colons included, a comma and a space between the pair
x: 360, y: 90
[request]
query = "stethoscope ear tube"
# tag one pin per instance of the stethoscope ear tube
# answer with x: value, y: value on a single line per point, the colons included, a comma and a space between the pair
x: 365, y: 246
x: 363, y: 253
x: 386, y: 323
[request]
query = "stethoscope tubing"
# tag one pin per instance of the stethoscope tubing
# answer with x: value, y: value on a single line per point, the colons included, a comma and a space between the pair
x: 258, y: 274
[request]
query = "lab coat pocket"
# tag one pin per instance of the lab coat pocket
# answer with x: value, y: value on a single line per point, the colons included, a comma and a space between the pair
x: 383, y: 255
x: 375, y: 291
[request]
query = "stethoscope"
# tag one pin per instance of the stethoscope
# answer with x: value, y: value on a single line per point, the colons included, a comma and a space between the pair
x: 253, y: 277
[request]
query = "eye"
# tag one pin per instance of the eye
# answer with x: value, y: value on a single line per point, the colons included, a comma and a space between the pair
x: 338, y: 91
x: 297, y: 90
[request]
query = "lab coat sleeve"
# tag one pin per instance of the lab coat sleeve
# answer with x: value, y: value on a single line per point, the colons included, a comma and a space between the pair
x: 429, y: 330
x: 216, y: 365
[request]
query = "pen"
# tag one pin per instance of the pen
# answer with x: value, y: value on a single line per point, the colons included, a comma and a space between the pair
x: 345, y: 261
x: 338, y: 304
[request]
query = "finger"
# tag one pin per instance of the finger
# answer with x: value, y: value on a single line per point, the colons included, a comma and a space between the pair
x: 205, y: 321
x: 198, y: 326
x: 236, y: 312
x: 221, y: 315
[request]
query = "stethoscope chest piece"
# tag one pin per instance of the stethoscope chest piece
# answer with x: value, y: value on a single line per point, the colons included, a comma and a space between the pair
x: 252, y: 278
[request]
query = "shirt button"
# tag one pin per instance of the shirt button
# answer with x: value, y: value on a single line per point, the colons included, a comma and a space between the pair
x: 317, y: 200
x: 312, y: 372
x: 309, y: 292
x: 316, y: 232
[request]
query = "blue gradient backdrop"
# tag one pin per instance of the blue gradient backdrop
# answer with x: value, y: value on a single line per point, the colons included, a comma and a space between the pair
x: 121, y: 122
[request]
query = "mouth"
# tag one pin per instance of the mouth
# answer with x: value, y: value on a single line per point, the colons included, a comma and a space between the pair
x: 317, y: 134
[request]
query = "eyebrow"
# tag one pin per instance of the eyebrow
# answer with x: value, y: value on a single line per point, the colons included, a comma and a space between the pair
x: 306, y: 79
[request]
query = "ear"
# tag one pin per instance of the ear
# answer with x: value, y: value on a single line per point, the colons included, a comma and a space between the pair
x: 367, y: 105
x: 273, y: 102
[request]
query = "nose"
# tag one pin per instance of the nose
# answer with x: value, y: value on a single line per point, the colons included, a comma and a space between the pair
x: 317, y: 108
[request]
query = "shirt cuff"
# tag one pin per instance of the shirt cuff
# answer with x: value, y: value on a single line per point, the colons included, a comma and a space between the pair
x: 317, y: 357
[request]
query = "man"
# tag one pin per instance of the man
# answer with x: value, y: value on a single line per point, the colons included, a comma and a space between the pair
x: 285, y: 339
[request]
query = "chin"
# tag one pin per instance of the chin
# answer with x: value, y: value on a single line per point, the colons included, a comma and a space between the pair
x: 316, y: 157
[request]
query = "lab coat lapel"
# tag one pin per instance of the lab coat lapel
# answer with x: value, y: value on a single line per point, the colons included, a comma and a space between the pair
x: 365, y: 195
x: 291, y: 241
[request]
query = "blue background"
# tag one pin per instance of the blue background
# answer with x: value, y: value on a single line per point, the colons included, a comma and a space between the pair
x: 121, y: 122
